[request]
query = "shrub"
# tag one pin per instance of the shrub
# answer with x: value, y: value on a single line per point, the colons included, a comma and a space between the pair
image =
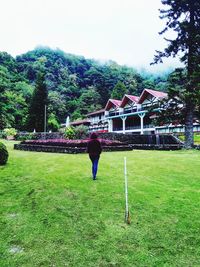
x: 3, y: 154
x: 69, y: 133
x: 81, y: 132
x: 24, y: 136
x: 70, y: 143
x: 10, y: 132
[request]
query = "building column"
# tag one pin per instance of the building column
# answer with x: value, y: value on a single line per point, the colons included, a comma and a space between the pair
x: 110, y: 125
x: 141, y: 115
x: 124, y: 124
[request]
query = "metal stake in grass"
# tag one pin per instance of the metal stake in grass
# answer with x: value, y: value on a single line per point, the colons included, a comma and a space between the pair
x: 127, y: 214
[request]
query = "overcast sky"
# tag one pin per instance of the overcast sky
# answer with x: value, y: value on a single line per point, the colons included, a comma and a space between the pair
x: 125, y: 31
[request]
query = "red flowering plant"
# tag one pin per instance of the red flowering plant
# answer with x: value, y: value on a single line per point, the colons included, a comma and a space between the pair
x: 70, y: 143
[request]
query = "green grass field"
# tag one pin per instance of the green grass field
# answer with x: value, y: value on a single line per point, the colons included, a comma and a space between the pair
x: 53, y: 214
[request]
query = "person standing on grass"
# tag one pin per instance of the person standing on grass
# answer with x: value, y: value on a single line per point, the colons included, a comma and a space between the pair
x: 94, y: 150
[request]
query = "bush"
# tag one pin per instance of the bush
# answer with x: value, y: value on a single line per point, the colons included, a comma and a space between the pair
x: 70, y: 143
x: 81, y: 132
x: 24, y: 136
x: 3, y: 154
x: 69, y: 133
x: 10, y: 132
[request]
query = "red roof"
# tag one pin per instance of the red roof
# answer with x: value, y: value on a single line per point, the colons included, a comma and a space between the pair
x: 126, y: 98
x: 154, y: 93
x: 116, y: 102
x: 96, y: 112
x: 112, y: 102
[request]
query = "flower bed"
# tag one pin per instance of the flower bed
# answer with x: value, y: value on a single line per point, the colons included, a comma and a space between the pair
x: 70, y: 143
x: 79, y: 146
x: 68, y: 146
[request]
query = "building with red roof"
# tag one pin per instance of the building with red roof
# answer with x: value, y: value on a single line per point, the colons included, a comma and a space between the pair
x: 135, y: 114
x: 131, y: 99
x: 113, y: 104
x: 149, y: 94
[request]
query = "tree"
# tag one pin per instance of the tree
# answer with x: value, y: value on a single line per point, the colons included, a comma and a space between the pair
x: 25, y: 89
x: 174, y: 109
x: 119, y: 91
x: 183, y: 16
x: 4, y: 82
x: 89, y: 101
x: 16, y: 110
x: 56, y: 105
x: 37, y: 107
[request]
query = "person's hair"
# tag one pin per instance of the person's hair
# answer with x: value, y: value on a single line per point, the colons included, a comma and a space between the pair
x: 93, y: 136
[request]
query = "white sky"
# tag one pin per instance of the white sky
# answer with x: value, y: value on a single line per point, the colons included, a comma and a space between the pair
x: 125, y: 31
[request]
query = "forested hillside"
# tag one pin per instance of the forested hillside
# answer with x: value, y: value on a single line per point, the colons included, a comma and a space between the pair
x: 75, y: 85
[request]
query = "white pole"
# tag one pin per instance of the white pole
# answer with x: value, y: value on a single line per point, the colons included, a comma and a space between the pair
x: 123, y: 125
x: 127, y: 216
x: 142, y: 125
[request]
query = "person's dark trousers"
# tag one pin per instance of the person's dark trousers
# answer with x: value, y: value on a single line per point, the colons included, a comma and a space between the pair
x: 95, y: 161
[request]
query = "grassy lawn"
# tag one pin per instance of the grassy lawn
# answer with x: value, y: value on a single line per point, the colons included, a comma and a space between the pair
x: 53, y: 214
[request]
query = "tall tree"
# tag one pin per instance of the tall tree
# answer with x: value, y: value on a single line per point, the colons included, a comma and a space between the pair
x: 183, y: 16
x: 119, y: 91
x: 37, y: 107
x: 89, y: 101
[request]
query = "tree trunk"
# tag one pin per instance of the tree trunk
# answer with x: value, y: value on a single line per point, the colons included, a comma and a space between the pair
x: 189, y: 136
x: 190, y: 106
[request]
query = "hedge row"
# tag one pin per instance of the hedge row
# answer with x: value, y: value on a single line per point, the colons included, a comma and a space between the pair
x: 75, y: 150
x: 130, y: 138
x: 70, y: 143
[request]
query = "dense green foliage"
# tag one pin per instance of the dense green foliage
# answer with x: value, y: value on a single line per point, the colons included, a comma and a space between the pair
x: 55, y: 215
x: 69, y: 133
x: 3, y: 154
x: 15, y: 94
x: 183, y: 17
x: 75, y: 85
x: 119, y: 91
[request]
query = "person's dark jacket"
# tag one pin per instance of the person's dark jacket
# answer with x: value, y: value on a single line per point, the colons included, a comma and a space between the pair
x: 94, y: 147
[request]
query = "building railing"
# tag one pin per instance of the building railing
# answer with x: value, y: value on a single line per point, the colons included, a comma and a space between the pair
x: 98, y: 128
x: 149, y: 126
x: 126, y: 111
x: 132, y: 127
x: 110, y: 114
x: 137, y: 127
x: 144, y: 107
x: 175, y: 129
